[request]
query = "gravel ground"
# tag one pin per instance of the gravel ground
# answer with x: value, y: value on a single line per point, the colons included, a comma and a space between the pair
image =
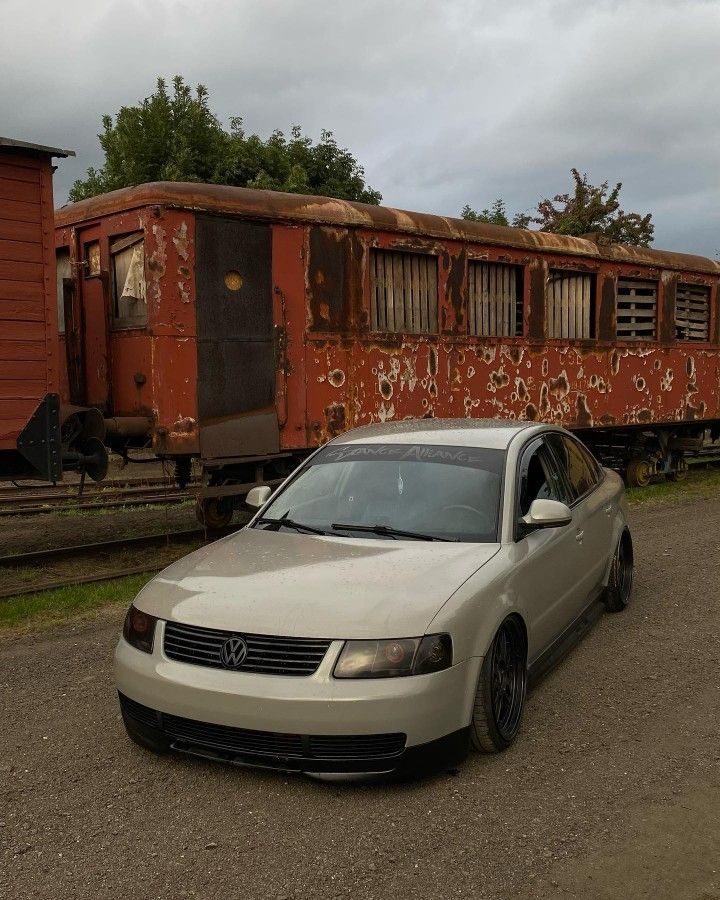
x: 612, y: 790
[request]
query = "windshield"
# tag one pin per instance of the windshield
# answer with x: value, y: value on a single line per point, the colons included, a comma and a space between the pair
x: 431, y: 491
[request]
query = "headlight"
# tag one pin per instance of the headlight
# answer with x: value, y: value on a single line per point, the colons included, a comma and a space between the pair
x: 139, y: 629
x: 402, y: 656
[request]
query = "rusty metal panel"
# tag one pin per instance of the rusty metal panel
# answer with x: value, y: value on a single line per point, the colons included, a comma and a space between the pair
x: 692, y: 312
x: 570, y: 305
x: 334, y: 280
x: 236, y: 354
x: 495, y: 299
x: 404, y: 292
x: 636, y: 309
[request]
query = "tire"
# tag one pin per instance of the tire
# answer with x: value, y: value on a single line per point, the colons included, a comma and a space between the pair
x: 617, y: 593
x: 639, y: 471
x: 500, y: 696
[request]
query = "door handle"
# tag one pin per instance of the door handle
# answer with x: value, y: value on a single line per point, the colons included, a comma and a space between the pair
x: 579, y: 535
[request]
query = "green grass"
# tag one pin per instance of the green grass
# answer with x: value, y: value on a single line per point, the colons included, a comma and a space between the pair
x: 700, y: 484
x: 36, y: 611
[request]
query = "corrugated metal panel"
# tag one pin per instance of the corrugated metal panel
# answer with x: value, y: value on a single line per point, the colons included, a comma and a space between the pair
x: 569, y: 299
x: 692, y: 312
x: 495, y: 302
x: 404, y: 290
x: 636, y: 309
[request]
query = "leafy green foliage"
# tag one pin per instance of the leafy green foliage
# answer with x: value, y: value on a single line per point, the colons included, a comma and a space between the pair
x: 589, y: 210
x: 176, y: 137
x: 496, y: 215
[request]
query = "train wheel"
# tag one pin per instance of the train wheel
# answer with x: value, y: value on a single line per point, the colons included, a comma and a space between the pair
x: 681, y: 471
x: 639, y: 471
x: 213, y: 512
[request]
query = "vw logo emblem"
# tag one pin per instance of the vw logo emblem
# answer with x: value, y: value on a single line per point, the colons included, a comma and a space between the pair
x: 233, y: 652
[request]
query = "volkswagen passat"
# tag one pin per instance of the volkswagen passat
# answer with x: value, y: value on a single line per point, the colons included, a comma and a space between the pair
x: 385, y: 608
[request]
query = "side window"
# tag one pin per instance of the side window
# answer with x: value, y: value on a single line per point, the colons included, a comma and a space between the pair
x: 127, y: 265
x: 62, y: 268
x: 539, y: 479
x: 404, y: 292
x: 580, y: 468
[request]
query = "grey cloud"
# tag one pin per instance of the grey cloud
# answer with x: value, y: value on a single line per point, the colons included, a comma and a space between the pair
x: 444, y: 102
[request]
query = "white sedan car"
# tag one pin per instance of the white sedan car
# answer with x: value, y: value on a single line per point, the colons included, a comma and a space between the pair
x: 385, y: 608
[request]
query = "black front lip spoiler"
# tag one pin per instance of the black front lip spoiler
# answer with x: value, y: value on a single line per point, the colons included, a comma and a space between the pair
x: 444, y: 753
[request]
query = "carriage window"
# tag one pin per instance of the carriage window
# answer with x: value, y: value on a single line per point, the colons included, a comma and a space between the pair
x: 127, y: 262
x: 404, y: 292
x: 692, y: 312
x: 62, y: 269
x: 495, y: 307
x: 636, y: 309
x: 570, y: 298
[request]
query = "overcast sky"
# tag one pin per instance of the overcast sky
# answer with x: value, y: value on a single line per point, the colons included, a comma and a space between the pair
x: 444, y: 103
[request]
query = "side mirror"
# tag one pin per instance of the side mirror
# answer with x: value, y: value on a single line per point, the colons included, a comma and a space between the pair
x: 547, y: 514
x: 258, y: 496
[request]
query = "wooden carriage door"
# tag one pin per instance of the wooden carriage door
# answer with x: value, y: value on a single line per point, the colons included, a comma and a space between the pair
x: 93, y: 281
x: 236, y: 355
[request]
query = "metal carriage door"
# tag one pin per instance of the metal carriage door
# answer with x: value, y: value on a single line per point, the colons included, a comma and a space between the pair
x: 236, y: 355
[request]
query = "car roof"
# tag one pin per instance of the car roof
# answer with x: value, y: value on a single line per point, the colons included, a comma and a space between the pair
x: 492, y: 434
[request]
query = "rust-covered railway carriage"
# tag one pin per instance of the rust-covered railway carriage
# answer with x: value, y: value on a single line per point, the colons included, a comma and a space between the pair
x: 246, y: 327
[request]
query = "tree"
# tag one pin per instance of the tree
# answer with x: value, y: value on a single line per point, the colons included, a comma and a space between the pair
x: 176, y: 137
x: 594, y: 210
x: 496, y: 215
x: 589, y: 210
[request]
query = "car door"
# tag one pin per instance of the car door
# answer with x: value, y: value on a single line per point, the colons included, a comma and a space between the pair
x: 592, y: 507
x: 547, y: 561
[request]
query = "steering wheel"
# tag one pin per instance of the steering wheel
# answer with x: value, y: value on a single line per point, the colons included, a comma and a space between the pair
x: 476, y: 513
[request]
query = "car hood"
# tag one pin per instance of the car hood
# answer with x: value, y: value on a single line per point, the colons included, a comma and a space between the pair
x: 296, y: 585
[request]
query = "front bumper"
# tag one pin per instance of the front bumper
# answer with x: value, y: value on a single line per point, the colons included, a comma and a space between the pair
x: 319, y: 755
x: 421, y: 708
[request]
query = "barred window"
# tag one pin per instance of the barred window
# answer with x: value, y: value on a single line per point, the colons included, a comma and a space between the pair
x: 495, y: 301
x: 570, y: 299
x: 692, y: 312
x: 636, y: 309
x: 404, y: 292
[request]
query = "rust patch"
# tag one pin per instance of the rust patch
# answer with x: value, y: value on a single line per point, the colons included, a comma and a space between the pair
x: 560, y: 386
x: 432, y: 362
x: 386, y: 389
x: 615, y: 362
x: 583, y: 416
x: 544, y: 400
x: 523, y: 394
x: 640, y: 383
x: 335, y: 418
x: 544, y: 368
x: 180, y: 240
x: 531, y: 412
x: 499, y: 378
x: 336, y: 378
x: 644, y: 416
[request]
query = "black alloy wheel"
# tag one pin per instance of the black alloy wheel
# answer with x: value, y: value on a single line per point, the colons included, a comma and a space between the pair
x: 617, y: 593
x: 500, y: 697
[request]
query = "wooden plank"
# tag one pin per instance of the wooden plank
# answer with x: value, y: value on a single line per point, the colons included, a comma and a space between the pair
x: 22, y: 331
x: 19, y: 212
x: 433, y: 293
x: 13, y: 270
x: 21, y: 290
x: 21, y: 350
x: 17, y: 409
x: 21, y: 251
x: 20, y: 173
x: 20, y: 191
x: 472, y: 267
x: 22, y: 311
x: 22, y: 389
x: 418, y: 321
x: 398, y: 293
x: 11, y: 230
x: 13, y: 369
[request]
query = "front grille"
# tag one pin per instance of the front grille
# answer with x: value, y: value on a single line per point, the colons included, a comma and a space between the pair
x: 137, y: 711
x: 359, y: 746
x: 265, y: 654
x: 267, y: 743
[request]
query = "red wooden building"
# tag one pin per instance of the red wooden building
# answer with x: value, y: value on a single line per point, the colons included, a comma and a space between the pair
x: 246, y: 327
x: 30, y: 418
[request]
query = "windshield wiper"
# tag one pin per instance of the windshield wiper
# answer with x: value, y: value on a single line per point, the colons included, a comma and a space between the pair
x: 389, y: 531
x: 290, y: 523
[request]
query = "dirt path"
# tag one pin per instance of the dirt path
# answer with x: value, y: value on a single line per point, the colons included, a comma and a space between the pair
x: 612, y: 791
